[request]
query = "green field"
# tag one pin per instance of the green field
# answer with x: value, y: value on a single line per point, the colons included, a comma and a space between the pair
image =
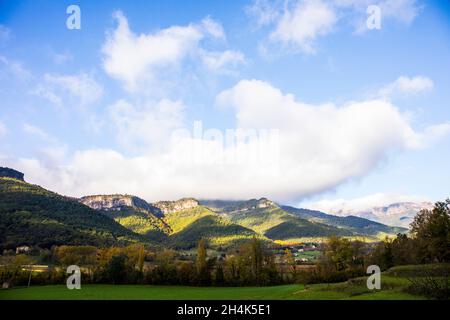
x: 353, y: 289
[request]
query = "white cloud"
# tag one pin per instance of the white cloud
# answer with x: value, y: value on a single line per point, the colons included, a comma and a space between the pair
x: 82, y: 88
x: 146, y: 126
x: 47, y: 94
x: 213, y: 28
x: 219, y: 61
x: 402, y: 10
x: 344, y: 207
x: 432, y: 134
x: 407, y: 86
x: 15, y: 68
x: 320, y: 147
x: 302, y: 24
x: 128, y: 57
x: 136, y: 58
x: 389, y: 209
x: 264, y: 11
x: 298, y: 24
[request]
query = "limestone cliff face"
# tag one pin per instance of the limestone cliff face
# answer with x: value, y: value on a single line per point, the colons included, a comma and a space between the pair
x: 264, y: 203
x: 173, y: 206
x: 118, y: 202
x: 255, y: 204
x: 11, y: 173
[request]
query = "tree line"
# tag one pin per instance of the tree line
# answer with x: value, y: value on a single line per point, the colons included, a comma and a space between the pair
x: 249, y: 264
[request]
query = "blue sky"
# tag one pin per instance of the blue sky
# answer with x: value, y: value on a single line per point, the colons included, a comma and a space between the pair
x: 357, y: 113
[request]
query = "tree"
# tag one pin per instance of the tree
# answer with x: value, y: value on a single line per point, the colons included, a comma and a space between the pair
x: 165, y: 272
x: 117, y: 269
x: 79, y: 255
x: 257, y: 259
x: 339, y: 252
x: 403, y: 250
x: 289, y: 260
x: 185, y: 271
x: 431, y: 229
x: 13, y: 268
x: 203, y: 274
x: 232, y: 273
x: 382, y: 255
x: 141, y: 258
x: 219, y: 276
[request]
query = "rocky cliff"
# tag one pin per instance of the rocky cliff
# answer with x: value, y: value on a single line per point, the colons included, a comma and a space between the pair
x: 173, y: 206
x: 118, y: 202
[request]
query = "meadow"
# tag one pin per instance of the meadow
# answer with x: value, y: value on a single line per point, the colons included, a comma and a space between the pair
x: 354, y: 289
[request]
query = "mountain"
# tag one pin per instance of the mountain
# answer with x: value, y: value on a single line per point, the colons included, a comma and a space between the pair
x: 32, y: 215
x: 267, y: 218
x: 190, y: 225
x: 280, y: 222
x: 131, y: 212
x: 396, y: 214
x: 179, y: 224
x: 357, y: 225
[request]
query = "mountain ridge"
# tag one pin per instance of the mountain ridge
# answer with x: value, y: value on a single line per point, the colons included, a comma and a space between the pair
x: 182, y: 222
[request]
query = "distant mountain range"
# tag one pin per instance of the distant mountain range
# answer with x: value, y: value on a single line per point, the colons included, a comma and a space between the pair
x: 399, y: 214
x: 32, y: 215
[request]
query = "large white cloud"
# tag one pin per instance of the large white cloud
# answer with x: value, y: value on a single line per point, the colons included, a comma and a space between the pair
x: 135, y: 58
x: 145, y: 126
x: 318, y: 148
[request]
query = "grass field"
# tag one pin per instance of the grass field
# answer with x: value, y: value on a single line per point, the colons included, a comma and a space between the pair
x: 353, y: 289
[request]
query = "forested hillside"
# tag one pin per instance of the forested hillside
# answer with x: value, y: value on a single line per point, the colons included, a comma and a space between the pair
x: 31, y: 215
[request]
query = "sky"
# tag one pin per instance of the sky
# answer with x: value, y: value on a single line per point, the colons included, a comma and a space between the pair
x: 298, y: 101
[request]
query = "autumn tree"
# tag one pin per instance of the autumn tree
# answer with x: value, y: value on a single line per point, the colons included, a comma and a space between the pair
x: 289, y: 260
x: 431, y: 229
x: 201, y: 263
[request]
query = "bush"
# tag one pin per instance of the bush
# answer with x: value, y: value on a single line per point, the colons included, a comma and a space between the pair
x: 431, y: 287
